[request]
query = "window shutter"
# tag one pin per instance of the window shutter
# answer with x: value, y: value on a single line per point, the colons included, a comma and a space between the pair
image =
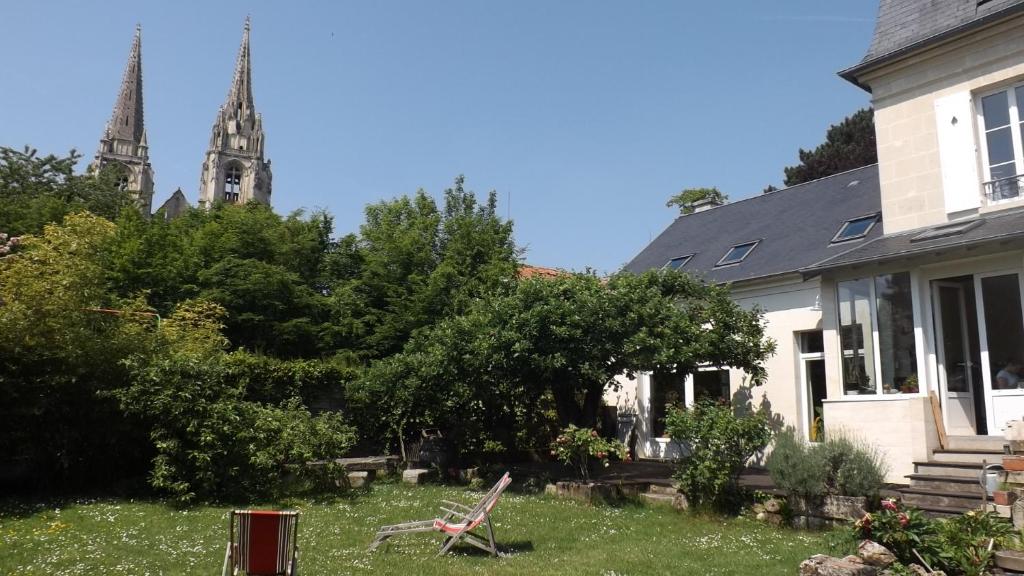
x: 954, y: 117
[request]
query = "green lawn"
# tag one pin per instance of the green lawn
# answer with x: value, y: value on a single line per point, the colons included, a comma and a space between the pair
x: 542, y: 536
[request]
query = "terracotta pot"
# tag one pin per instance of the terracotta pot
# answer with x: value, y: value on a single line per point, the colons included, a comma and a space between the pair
x: 1004, y: 497
x: 1013, y: 463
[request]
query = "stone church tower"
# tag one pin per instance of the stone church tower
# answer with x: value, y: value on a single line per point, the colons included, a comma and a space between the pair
x: 124, y: 141
x: 234, y: 170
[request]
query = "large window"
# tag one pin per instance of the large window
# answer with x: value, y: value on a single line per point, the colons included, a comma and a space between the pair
x: 666, y: 389
x: 1001, y: 125
x: 876, y: 335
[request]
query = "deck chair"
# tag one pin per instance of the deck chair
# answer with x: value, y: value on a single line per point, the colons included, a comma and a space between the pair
x: 262, y: 543
x: 456, y: 524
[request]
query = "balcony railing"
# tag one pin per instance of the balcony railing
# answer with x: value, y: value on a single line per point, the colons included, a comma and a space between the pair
x: 1004, y: 188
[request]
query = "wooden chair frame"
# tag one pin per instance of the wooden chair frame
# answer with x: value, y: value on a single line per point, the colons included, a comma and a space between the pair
x: 232, y: 559
x: 456, y: 524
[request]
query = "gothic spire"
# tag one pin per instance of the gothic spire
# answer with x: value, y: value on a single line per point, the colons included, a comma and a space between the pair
x: 126, y: 123
x: 240, y: 95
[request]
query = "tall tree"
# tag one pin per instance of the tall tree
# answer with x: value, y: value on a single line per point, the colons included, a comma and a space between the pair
x: 848, y: 145
x: 413, y: 264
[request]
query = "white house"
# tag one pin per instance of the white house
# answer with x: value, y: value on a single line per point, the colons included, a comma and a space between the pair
x: 887, y: 283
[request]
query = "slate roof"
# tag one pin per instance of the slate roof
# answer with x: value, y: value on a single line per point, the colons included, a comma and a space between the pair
x: 795, y: 227
x: 992, y: 228
x: 906, y: 25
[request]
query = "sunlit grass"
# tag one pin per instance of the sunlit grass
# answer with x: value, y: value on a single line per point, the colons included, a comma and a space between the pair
x: 541, y: 535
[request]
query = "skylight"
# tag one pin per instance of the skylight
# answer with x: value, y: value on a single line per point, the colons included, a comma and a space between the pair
x: 945, y: 230
x: 855, y: 228
x: 678, y: 262
x: 737, y: 253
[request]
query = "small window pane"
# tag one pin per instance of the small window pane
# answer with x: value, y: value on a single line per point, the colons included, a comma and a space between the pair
x: 856, y: 228
x: 1000, y: 146
x: 896, y: 343
x: 812, y: 342
x: 737, y: 253
x: 678, y: 262
x: 996, y: 110
x: 855, y: 338
x: 1019, y: 94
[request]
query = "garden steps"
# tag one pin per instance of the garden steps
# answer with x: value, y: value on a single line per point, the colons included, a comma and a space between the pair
x: 920, y: 497
x: 963, y: 469
x: 977, y: 456
x: 947, y: 484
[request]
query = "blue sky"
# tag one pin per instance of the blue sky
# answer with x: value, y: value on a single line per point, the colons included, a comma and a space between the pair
x: 584, y: 116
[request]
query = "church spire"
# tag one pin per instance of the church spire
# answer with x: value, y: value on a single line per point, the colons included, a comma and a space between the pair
x: 124, y: 145
x: 126, y: 122
x: 240, y: 95
x: 235, y: 170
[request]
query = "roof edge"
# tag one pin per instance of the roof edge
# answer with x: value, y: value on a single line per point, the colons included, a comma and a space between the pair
x: 853, y: 73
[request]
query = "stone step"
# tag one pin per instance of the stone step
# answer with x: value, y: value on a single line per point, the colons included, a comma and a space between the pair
x: 961, y: 484
x: 975, y: 443
x: 963, y: 469
x: 990, y: 456
x: 677, y: 501
x: 941, y: 511
x: 924, y: 497
x: 663, y: 490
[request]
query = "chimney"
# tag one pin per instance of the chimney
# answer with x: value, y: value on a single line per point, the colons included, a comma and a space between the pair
x: 703, y: 204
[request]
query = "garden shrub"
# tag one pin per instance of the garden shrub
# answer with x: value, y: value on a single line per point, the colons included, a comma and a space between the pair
x: 718, y: 445
x: 796, y: 468
x: 211, y: 440
x: 577, y: 446
x: 839, y: 465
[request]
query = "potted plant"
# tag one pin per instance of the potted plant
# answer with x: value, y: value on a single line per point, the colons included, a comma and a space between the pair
x: 1004, y: 495
x: 910, y: 385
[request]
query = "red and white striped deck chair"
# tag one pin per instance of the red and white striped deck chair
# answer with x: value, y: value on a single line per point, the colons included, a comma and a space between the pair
x: 457, y: 523
x: 262, y: 543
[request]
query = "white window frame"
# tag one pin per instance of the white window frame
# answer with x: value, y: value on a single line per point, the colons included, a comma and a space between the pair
x: 876, y: 364
x: 1015, y: 137
x: 805, y: 393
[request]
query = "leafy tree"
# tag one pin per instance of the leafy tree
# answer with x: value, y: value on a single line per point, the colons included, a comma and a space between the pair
x: 559, y: 342
x: 59, y: 354
x: 848, y: 145
x: 413, y: 264
x: 35, y: 191
x: 685, y: 199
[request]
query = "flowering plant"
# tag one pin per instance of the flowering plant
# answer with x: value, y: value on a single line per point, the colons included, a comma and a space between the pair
x: 576, y: 446
x: 900, y: 529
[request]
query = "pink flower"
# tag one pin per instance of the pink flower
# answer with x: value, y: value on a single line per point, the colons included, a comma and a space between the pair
x: 593, y: 433
x: 904, y: 519
x: 601, y: 454
x: 889, y: 504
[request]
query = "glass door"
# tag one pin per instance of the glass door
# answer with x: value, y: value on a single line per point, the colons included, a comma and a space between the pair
x: 954, y: 357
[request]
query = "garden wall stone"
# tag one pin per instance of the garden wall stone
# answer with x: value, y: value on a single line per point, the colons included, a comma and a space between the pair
x: 415, y: 475
x: 822, y: 565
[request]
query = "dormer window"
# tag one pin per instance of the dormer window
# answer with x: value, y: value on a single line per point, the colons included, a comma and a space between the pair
x: 855, y: 228
x: 1001, y: 123
x: 677, y: 262
x: 232, y: 183
x: 737, y: 253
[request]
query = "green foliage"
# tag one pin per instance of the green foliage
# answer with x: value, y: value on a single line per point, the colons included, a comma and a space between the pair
x: 848, y: 145
x: 685, y: 199
x: 544, y: 343
x: 795, y: 467
x: 959, y: 545
x: 58, y: 353
x: 211, y: 440
x: 717, y: 444
x: 839, y: 465
x: 37, y: 191
x: 577, y: 446
x: 413, y: 264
